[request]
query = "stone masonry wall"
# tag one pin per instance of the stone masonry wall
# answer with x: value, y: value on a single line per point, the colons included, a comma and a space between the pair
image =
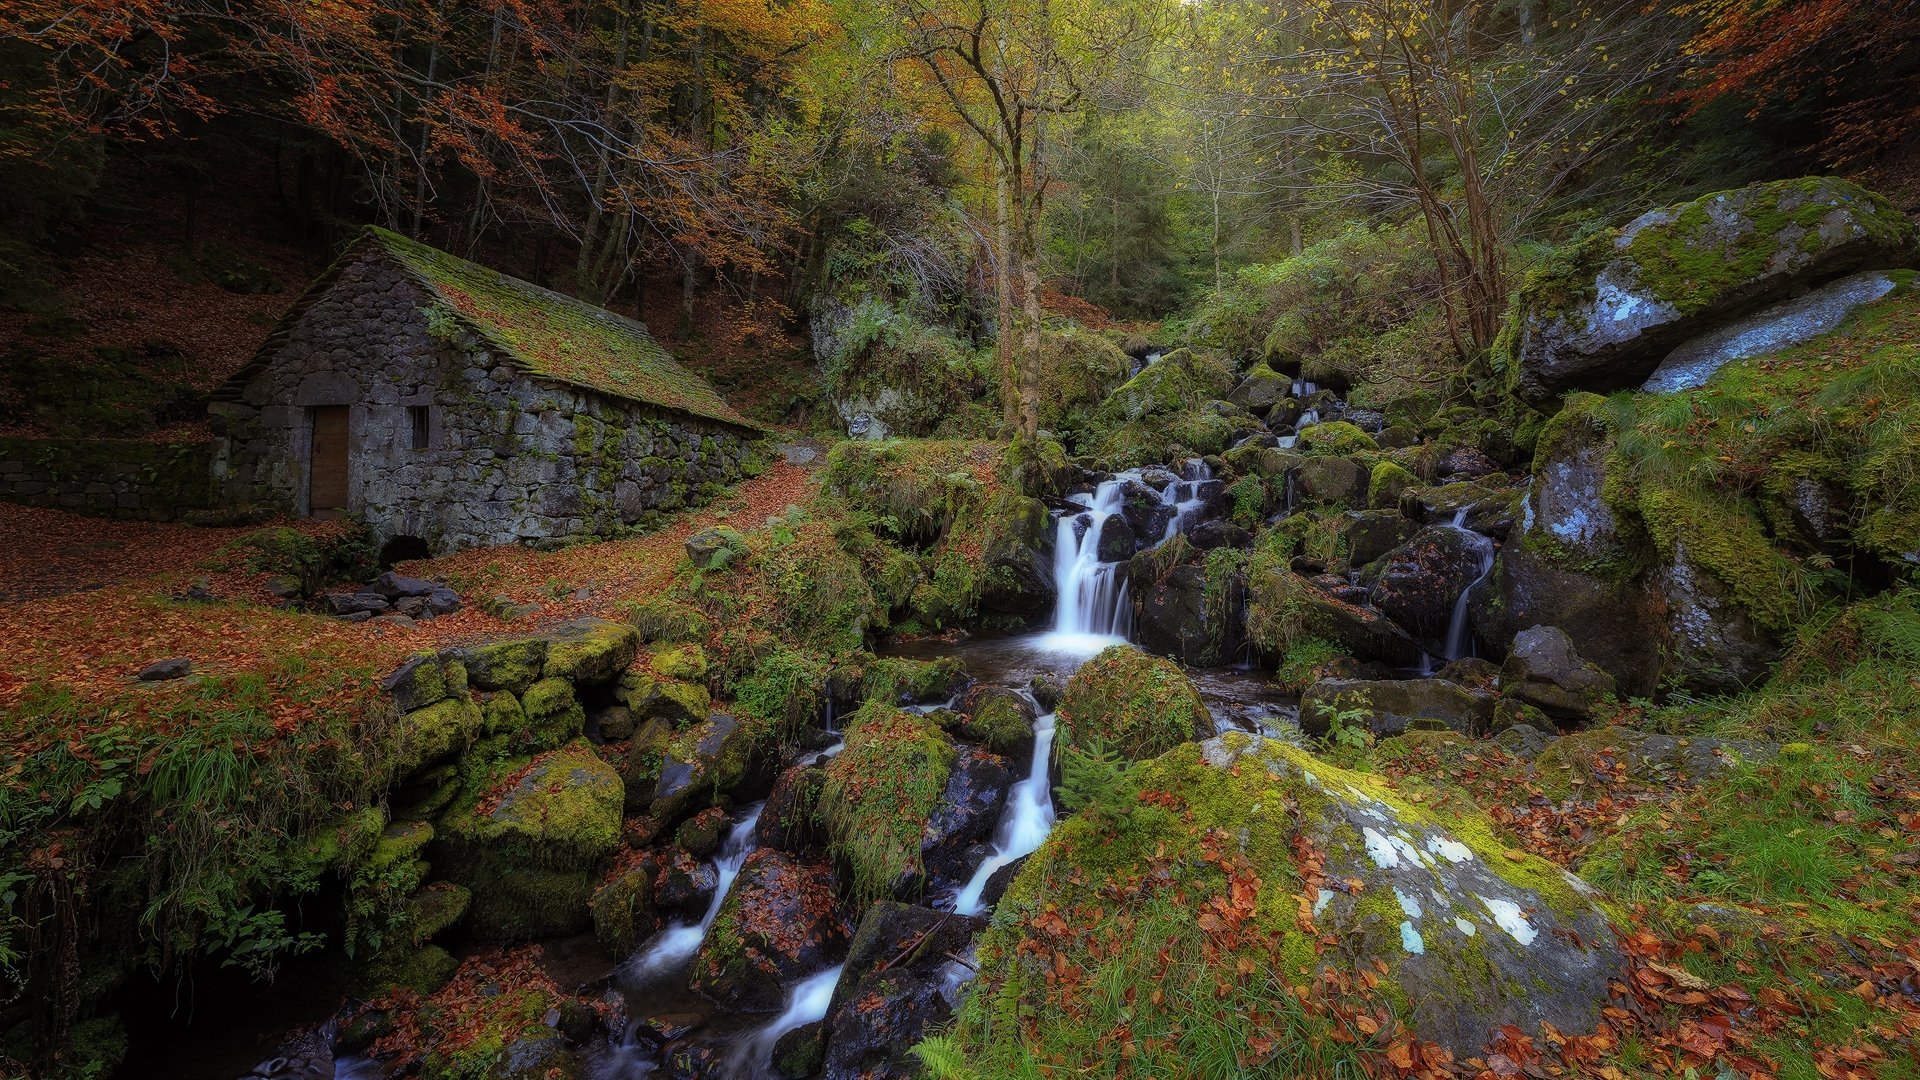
x: 509, y: 458
x: 107, y: 477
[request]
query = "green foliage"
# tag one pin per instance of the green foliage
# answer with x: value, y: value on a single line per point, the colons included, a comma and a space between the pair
x: 912, y: 488
x: 314, y: 563
x: 114, y: 391
x: 786, y: 688
x: 917, y: 378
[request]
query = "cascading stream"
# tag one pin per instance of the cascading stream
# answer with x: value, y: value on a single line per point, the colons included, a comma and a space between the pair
x: 806, y: 1002
x: 677, y: 943
x: 1024, y: 824
x: 1459, y: 642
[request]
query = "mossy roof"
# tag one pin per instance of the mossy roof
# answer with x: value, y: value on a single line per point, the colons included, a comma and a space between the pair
x: 546, y: 334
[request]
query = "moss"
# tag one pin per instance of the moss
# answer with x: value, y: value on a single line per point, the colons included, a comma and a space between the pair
x: 787, y: 688
x: 501, y: 714
x: 999, y: 721
x: 877, y: 796
x: 427, y: 735
x: 1039, y: 467
x: 555, y: 336
x: 553, y: 713
x: 436, y: 908
x: 685, y: 662
x: 623, y: 913
x: 511, y: 665
x: 1725, y: 538
x: 1336, y: 437
x: 1134, y: 704
x: 895, y: 680
x: 589, y: 650
x: 1387, y: 483
x: 1247, y: 500
x: 913, y: 488
x: 336, y: 845
x: 668, y: 621
x: 651, y: 697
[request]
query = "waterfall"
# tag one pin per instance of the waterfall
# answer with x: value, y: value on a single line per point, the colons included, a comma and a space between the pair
x: 677, y: 943
x: 1458, y: 643
x: 806, y: 1002
x: 1025, y: 822
x: 1185, y: 497
x: 1092, y: 598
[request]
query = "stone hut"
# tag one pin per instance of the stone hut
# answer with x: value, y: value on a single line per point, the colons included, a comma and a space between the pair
x: 447, y: 405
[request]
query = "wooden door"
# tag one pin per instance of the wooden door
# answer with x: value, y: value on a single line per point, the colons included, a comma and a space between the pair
x: 327, y: 469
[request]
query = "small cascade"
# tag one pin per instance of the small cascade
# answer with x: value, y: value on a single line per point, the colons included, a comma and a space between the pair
x: 1287, y: 442
x: 806, y: 1003
x: 676, y: 944
x: 1092, y: 600
x: 1185, y: 496
x: 1301, y: 388
x: 1024, y: 824
x: 1307, y: 420
x: 1459, y: 643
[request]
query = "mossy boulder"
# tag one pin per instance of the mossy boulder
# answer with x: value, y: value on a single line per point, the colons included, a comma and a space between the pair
x: 1134, y: 704
x: 427, y: 735
x: 1016, y: 538
x: 877, y: 795
x: 1418, y: 583
x: 1368, y: 535
x: 424, y: 680
x: 1386, y: 483
x: 653, y: 697
x: 589, y: 651
x: 622, y: 909
x: 997, y: 717
x: 1189, y: 604
x: 893, y: 988
x: 1336, y: 437
x: 686, y: 662
x: 668, y: 621
x: 1604, y: 313
x: 1544, y: 670
x: 526, y: 838
x: 553, y: 712
x: 1260, y: 390
x: 511, y: 665
x: 779, y: 923
x: 1465, y: 936
x: 421, y: 970
x: 1334, y: 481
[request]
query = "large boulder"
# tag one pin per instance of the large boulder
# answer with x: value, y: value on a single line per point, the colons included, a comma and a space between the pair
x: 1462, y: 935
x: 1135, y: 704
x: 1544, y: 670
x: 1392, y: 706
x: 1000, y: 718
x: 778, y: 925
x: 1179, y: 612
x: 900, y: 984
x: 1017, y: 560
x: 701, y: 763
x: 968, y: 809
x: 589, y: 650
x: 1261, y: 390
x: 527, y: 837
x: 1418, y: 583
x: 1605, y: 315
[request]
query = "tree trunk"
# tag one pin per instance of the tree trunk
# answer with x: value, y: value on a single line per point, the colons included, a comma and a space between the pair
x: 1003, y: 292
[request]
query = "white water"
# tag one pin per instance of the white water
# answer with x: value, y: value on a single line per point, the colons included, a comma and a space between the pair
x: 1458, y: 643
x: 1024, y: 824
x: 676, y: 944
x: 806, y: 1002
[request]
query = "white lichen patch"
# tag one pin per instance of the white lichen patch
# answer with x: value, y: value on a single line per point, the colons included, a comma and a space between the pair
x: 1408, y: 904
x: 1380, y: 849
x: 1411, y: 941
x: 1449, y: 849
x: 1321, y: 900
x: 1465, y: 926
x: 1508, y: 916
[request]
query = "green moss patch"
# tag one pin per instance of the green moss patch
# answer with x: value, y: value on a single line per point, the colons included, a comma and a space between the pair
x: 878, y: 794
x: 1131, y: 703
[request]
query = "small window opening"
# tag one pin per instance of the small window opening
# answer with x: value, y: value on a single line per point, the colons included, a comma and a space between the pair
x: 417, y: 425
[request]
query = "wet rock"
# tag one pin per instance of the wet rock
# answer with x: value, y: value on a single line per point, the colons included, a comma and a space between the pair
x: 1177, y: 613
x: 779, y: 924
x: 1117, y: 540
x: 1145, y: 514
x: 1638, y: 294
x: 308, y: 1055
x: 1392, y: 706
x: 623, y: 911
x: 701, y: 834
x: 688, y: 883
x: 718, y: 755
x: 178, y: 667
x: 1712, y: 643
x: 1467, y: 463
x: 1219, y: 533
x: 966, y: 814
x: 1544, y: 670
x: 1417, y: 583
x: 342, y: 605
x: 1333, y: 480
x: 799, y: 1053
x: 1018, y: 559
x: 997, y: 882
x: 1472, y: 673
x: 1260, y: 391
x: 1366, y: 535
x: 899, y: 985
x: 787, y: 821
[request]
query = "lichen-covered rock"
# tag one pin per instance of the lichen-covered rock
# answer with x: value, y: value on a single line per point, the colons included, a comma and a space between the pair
x: 1544, y: 670
x: 1137, y: 705
x: 589, y: 651
x: 1391, y: 706
x: 1465, y: 936
x: 899, y: 985
x: 526, y: 837
x: 1606, y: 313
x: 779, y: 924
